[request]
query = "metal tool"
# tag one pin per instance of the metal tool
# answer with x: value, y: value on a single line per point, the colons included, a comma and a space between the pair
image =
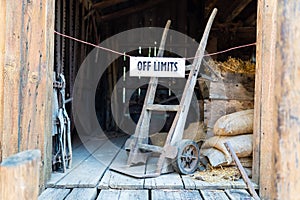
x: 62, y: 148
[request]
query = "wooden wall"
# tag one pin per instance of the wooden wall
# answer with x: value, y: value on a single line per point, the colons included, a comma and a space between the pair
x: 277, y: 111
x: 26, y: 64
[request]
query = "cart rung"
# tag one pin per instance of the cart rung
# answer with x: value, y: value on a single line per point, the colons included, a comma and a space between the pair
x: 158, y: 107
x: 152, y: 148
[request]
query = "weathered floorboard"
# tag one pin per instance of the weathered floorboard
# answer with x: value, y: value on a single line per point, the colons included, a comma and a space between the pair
x: 238, y: 194
x: 191, y: 183
x: 82, y: 193
x: 79, y: 155
x: 214, y: 195
x: 117, y: 180
x: 53, y: 193
x: 123, y: 194
x: 165, y: 181
x: 90, y: 171
x: 175, y: 194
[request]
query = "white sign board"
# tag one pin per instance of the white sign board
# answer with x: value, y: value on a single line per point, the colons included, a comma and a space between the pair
x: 157, y: 67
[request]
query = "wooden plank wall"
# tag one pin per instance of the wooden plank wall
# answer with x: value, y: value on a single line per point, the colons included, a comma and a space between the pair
x: 277, y: 125
x: 26, y: 60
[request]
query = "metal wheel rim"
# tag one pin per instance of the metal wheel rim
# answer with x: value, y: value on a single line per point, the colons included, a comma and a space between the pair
x: 188, y: 158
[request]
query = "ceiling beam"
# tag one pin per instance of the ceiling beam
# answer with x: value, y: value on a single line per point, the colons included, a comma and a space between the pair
x: 130, y: 10
x: 237, y: 9
x: 107, y: 3
x: 251, y: 21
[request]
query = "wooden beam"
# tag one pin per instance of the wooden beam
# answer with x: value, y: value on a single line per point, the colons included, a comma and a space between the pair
x: 12, y: 70
x: 287, y: 97
x: 131, y: 10
x: 27, y: 86
x: 263, y: 132
x: 20, y: 176
x: 251, y: 20
x: 237, y: 9
x: 2, y: 56
x: 209, y: 7
x: 107, y: 3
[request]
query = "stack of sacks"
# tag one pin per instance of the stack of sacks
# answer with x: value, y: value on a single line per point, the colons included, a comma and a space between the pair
x: 237, y: 128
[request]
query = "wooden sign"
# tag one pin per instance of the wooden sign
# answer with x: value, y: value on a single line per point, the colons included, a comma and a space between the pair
x: 157, y: 67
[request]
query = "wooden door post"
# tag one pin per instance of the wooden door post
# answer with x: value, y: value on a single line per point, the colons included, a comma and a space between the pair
x: 287, y: 101
x: 263, y: 132
x: 26, y: 68
x: 277, y: 111
x: 20, y: 176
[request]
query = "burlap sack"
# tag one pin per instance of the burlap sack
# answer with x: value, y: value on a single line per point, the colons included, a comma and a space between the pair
x: 235, y: 124
x: 242, y: 146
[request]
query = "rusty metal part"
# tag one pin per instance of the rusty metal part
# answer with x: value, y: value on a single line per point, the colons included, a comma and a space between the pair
x: 187, y: 159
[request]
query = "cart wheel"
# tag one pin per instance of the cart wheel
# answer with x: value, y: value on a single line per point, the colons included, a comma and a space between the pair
x: 187, y: 159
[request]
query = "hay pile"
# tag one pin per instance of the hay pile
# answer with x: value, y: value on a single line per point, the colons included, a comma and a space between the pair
x: 218, y: 174
x: 234, y: 65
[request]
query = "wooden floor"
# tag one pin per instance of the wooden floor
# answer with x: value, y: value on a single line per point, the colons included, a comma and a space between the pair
x: 90, y: 178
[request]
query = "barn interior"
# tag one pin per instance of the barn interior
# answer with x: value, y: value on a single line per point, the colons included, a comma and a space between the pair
x: 95, y: 21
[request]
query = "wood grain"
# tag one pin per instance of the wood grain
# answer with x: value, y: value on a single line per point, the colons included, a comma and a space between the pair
x: 53, y: 193
x: 96, y: 165
x: 2, y: 57
x: 82, y: 193
x: 12, y: 69
x: 286, y: 123
x: 175, y: 194
x: 214, y: 195
x: 26, y: 90
x: 123, y: 194
x: 238, y: 194
x: 80, y: 155
x: 20, y: 176
x: 214, y: 109
x: 263, y: 133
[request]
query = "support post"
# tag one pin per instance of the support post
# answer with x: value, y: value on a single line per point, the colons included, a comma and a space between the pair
x: 26, y: 64
x: 20, y: 176
x: 286, y: 143
x: 263, y: 132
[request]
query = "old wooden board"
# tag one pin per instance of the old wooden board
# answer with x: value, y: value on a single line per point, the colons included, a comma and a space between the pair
x: 284, y: 175
x: 20, y: 175
x: 123, y: 194
x: 53, y: 193
x: 79, y: 155
x: 164, y: 181
x: 239, y: 91
x: 238, y: 194
x: 91, y: 170
x: 175, y: 194
x: 26, y: 86
x: 82, y: 193
x: 2, y: 56
x: 191, y: 183
x: 214, y: 195
x: 215, y: 108
x: 264, y: 113
x: 116, y: 180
